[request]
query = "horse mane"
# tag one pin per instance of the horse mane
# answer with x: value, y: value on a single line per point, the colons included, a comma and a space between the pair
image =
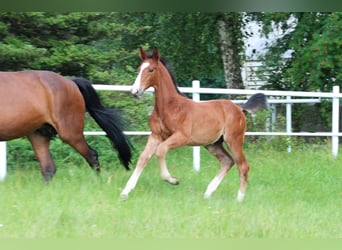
x: 167, y: 65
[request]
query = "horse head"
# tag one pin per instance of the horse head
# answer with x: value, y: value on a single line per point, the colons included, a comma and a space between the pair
x: 148, y: 73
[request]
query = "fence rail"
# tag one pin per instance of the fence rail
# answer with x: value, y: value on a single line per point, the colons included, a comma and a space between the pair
x: 195, y: 90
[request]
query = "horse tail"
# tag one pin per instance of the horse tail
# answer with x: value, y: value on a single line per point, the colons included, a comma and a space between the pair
x: 107, y: 119
x: 255, y: 102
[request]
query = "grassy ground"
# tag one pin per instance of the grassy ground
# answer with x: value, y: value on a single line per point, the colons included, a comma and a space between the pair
x: 296, y: 195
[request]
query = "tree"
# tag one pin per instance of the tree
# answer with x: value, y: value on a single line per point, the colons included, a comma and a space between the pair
x: 229, y: 29
x: 203, y: 46
x: 96, y: 44
x: 314, y: 40
x: 189, y: 43
x: 85, y: 44
x: 103, y: 46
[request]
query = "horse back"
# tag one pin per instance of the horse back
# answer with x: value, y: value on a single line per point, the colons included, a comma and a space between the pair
x: 29, y: 99
x: 62, y: 96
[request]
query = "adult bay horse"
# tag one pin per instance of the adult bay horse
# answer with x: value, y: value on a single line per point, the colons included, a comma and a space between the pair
x: 177, y: 121
x: 41, y: 104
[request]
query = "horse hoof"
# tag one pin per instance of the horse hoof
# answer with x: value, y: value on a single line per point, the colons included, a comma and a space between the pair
x: 173, y: 181
x: 123, y: 197
x: 240, y: 196
x: 207, y: 196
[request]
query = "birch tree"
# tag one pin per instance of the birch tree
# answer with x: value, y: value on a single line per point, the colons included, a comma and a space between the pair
x: 229, y: 29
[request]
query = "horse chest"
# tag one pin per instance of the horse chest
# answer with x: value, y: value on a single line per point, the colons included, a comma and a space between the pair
x: 164, y: 126
x: 169, y: 115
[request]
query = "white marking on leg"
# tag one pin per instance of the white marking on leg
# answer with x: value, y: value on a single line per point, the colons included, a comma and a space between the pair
x: 165, y: 174
x: 136, y: 85
x: 131, y: 183
x: 240, y: 196
x: 212, y: 186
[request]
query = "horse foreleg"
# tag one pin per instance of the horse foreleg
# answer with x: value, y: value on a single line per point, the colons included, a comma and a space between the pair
x: 165, y: 174
x: 226, y: 162
x: 144, y: 158
x: 40, y: 145
x: 174, y: 141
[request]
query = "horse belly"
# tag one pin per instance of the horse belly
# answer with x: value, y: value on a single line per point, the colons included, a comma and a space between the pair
x: 19, y: 116
x: 12, y: 127
x: 206, y: 131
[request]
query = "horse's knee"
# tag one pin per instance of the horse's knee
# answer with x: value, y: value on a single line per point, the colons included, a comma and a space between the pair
x: 161, y: 152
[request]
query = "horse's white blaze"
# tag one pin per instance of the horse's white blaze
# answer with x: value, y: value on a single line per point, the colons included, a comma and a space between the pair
x: 136, y: 85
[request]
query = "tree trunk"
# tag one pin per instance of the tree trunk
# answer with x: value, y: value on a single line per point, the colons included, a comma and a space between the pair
x: 230, y: 38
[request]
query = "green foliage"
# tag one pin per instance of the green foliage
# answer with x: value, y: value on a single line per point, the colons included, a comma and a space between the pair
x: 190, y: 41
x: 315, y: 42
x: 136, y: 111
x: 317, y: 64
x: 314, y: 39
x: 103, y: 47
x: 87, y: 44
x: 257, y: 121
x: 261, y: 122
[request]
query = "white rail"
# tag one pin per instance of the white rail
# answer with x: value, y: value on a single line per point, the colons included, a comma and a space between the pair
x: 311, y: 97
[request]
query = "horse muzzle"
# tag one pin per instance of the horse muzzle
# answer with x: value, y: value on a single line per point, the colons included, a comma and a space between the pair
x: 137, y: 93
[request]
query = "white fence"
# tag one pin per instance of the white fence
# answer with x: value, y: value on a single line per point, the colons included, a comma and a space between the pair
x: 312, y: 97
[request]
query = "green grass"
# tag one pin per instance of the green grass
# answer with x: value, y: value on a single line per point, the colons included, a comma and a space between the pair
x: 296, y: 195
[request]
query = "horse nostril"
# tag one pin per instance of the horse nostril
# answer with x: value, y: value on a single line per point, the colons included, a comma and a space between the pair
x: 136, y: 93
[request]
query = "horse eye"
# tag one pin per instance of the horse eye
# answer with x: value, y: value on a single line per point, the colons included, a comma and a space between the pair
x: 151, y: 70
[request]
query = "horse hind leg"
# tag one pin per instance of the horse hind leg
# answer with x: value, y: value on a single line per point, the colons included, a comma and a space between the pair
x: 235, y: 145
x: 80, y: 145
x: 226, y: 162
x: 72, y: 134
x: 40, y: 145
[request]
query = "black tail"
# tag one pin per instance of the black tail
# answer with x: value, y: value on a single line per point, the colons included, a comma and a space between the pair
x: 255, y: 102
x: 109, y: 121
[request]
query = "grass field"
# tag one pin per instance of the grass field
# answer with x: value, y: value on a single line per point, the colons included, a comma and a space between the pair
x: 296, y: 195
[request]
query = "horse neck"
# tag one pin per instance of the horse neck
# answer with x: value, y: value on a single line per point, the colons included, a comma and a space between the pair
x: 165, y: 91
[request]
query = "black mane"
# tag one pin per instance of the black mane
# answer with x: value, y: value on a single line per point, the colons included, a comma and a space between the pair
x: 167, y: 65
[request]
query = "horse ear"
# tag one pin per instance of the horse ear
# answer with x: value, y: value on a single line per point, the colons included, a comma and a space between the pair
x: 142, y: 54
x: 155, y: 54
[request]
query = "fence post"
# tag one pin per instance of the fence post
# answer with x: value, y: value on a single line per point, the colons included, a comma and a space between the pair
x: 288, y: 122
x: 196, y: 154
x: 335, y: 121
x: 3, y: 160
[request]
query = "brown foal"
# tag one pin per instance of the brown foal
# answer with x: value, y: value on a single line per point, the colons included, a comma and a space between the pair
x: 177, y: 121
